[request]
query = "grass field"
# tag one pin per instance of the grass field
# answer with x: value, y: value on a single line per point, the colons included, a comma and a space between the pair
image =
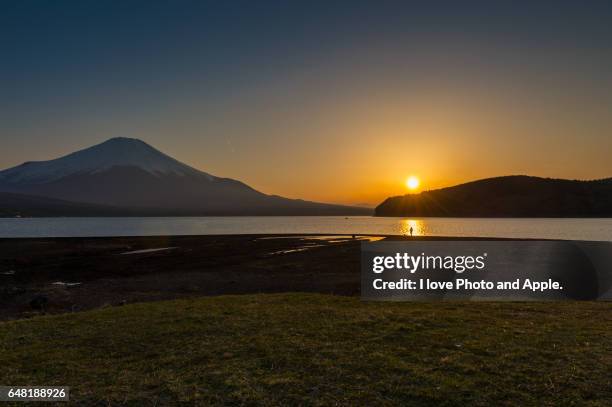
x: 310, y: 349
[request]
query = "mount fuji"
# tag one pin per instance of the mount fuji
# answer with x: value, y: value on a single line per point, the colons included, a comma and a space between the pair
x: 128, y: 176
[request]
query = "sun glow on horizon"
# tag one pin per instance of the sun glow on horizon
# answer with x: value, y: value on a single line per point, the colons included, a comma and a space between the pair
x: 412, y: 182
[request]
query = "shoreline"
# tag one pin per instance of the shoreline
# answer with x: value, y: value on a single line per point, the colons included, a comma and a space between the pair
x: 279, y: 236
x: 74, y: 274
x: 69, y: 274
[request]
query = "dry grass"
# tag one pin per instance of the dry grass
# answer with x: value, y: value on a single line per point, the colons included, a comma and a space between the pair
x: 309, y: 349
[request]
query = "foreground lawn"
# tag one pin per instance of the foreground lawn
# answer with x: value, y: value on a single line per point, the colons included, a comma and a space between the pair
x: 303, y: 349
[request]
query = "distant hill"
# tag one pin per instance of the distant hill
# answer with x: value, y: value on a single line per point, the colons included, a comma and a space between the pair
x: 510, y: 196
x: 19, y: 205
x: 128, y: 173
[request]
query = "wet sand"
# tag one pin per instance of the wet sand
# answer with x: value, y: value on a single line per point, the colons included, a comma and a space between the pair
x: 74, y: 274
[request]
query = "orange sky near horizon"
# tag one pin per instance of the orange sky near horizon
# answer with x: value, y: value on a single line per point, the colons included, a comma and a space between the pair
x: 363, y: 151
x: 356, y: 148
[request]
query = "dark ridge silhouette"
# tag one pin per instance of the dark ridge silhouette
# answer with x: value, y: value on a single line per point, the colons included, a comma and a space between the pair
x: 509, y: 196
x: 19, y: 205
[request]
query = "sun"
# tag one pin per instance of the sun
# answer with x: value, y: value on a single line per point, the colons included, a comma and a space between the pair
x: 412, y: 182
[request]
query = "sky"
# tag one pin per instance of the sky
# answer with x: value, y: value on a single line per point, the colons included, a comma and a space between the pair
x: 329, y: 101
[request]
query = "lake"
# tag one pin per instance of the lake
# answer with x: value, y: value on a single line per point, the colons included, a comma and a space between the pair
x: 549, y: 228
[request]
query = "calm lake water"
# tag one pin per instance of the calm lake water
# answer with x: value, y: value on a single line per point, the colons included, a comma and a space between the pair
x: 574, y: 229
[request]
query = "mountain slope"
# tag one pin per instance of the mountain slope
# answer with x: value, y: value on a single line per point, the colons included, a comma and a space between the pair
x: 129, y: 173
x: 13, y: 205
x: 511, y: 196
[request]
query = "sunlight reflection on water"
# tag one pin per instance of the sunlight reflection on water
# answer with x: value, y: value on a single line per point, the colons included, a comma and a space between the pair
x: 537, y: 228
x: 417, y: 226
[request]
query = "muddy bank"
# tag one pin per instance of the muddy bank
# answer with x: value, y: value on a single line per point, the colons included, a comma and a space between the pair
x: 66, y: 274
x: 72, y: 274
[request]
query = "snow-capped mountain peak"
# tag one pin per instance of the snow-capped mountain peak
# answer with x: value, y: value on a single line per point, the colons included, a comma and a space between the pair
x: 115, y: 152
x: 131, y: 177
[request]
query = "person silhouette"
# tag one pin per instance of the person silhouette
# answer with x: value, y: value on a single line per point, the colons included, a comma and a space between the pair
x: 411, y: 230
